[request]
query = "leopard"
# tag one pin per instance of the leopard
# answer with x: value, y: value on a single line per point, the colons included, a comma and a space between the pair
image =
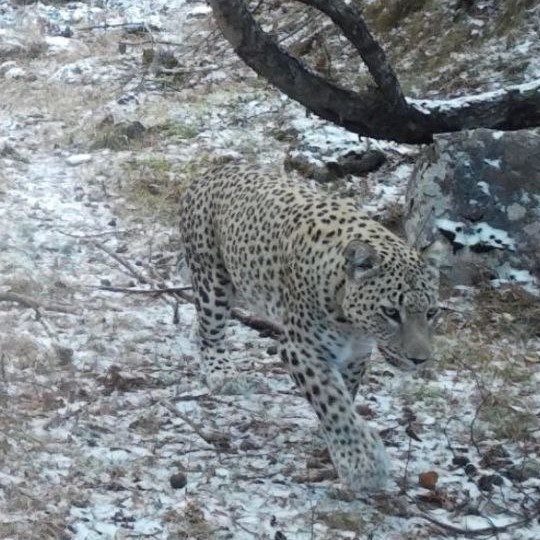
x: 334, y: 280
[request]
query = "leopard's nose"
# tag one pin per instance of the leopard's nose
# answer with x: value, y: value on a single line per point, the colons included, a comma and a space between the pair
x: 417, y: 361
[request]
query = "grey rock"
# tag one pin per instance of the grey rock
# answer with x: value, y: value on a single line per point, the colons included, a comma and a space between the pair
x: 357, y: 163
x: 487, y: 481
x: 178, y: 480
x: 325, y: 169
x: 520, y: 472
x: 480, y: 191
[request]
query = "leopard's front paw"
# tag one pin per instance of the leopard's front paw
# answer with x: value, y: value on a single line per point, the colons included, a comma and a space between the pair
x: 360, y: 459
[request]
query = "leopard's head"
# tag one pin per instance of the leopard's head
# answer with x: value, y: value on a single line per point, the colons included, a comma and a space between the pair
x: 391, y: 292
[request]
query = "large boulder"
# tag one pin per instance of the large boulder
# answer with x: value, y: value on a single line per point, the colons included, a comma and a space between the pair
x: 479, y: 191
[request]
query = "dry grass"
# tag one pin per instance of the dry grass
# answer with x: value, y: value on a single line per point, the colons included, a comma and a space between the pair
x: 155, y: 184
x: 507, y: 418
x: 134, y: 136
x: 344, y: 521
x: 492, y: 345
x: 430, y: 43
x: 511, y: 14
x: 56, y: 101
x: 387, y: 14
x: 514, y: 311
x: 190, y: 523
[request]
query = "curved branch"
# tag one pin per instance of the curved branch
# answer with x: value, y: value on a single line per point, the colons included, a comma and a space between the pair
x: 372, y: 113
x: 349, y: 19
x: 365, y: 113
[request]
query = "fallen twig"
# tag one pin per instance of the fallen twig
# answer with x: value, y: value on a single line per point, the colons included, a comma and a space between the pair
x: 134, y: 25
x: 31, y: 303
x: 492, y: 529
x: 264, y: 326
x: 95, y: 235
x: 133, y: 271
x: 219, y: 440
x: 269, y: 328
x: 141, y: 291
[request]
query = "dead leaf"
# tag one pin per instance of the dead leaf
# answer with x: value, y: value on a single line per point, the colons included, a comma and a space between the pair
x: 428, y: 480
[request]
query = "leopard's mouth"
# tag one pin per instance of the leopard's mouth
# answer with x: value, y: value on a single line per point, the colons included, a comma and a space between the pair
x: 397, y: 360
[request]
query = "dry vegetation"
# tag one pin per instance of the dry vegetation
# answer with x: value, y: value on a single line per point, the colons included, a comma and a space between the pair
x: 494, y: 345
x: 107, y: 376
x: 431, y: 43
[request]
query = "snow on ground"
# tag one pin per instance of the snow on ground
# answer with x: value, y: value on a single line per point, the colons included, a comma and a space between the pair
x: 106, y: 430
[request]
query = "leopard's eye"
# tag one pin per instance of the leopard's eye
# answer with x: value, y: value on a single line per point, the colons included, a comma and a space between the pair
x: 431, y: 313
x: 391, y: 313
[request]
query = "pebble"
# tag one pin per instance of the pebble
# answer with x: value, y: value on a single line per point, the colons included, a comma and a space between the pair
x: 428, y: 480
x: 487, y: 481
x: 178, y: 480
x: 523, y: 471
x: 460, y: 461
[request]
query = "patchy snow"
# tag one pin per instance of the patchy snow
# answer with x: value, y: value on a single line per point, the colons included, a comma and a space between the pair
x: 496, y: 163
x: 484, y: 186
x: 328, y: 140
x: 476, y: 234
x: 15, y: 73
x: 428, y: 105
x: 508, y: 275
x: 100, y: 392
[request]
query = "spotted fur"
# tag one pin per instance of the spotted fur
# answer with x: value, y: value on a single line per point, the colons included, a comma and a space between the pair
x: 334, y: 279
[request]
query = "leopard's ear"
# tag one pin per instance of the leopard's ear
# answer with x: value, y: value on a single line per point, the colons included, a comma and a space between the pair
x: 361, y: 260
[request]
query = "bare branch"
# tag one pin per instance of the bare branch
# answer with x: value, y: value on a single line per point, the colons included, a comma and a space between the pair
x: 129, y: 290
x: 493, y: 529
x: 365, y: 113
x: 221, y: 441
x: 379, y: 113
x: 256, y: 323
x: 349, y: 19
x: 31, y: 303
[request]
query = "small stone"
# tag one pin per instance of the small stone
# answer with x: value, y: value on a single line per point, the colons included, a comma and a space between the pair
x: 112, y: 223
x: 520, y: 472
x: 247, y: 445
x: 460, y: 461
x: 272, y: 350
x: 495, y: 457
x: 487, y: 481
x: 65, y: 355
x: 497, y: 480
x: 279, y: 536
x: 366, y: 411
x: 66, y: 32
x: 178, y: 480
x: 428, y: 480
x: 78, y: 159
x: 484, y: 483
x: 105, y: 282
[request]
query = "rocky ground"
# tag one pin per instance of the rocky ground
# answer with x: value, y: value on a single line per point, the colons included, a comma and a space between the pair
x: 106, y: 430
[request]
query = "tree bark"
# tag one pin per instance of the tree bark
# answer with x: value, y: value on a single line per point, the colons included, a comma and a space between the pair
x: 349, y: 19
x: 383, y: 112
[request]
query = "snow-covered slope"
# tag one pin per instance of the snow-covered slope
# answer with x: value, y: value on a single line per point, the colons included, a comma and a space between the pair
x: 103, y: 416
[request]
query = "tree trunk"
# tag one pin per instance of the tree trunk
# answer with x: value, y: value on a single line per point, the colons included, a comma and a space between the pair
x: 382, y: 112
